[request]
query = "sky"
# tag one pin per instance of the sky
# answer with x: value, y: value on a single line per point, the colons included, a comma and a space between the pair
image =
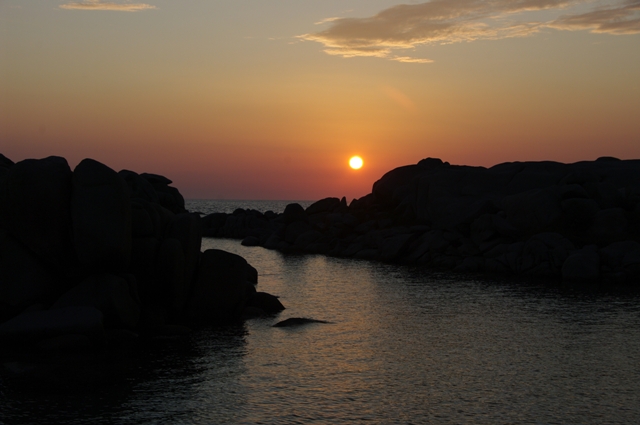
x: 268, y: 99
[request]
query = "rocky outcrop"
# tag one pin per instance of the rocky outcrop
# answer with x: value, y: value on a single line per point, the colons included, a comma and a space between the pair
x: 91, y: 257
x: 579, y: 222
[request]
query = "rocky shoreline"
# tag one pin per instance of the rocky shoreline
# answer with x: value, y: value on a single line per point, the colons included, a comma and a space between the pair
x: 577, y: 222
x: 94, y: 257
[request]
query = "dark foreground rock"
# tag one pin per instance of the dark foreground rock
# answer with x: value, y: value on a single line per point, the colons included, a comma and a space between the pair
x: 579, y: 222
x: 93, y: 257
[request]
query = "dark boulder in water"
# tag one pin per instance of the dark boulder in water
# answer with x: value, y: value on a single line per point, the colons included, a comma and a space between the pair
x: 297, y: 321
x: 222, y: 287
x: 268, y: 303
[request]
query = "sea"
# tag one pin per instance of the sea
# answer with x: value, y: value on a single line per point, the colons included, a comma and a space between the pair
x: 403, y: 345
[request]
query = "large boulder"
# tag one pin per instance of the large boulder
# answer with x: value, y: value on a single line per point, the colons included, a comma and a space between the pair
x: 544, y: 254
x: 621, y: 261
x: 169, y: 197
x: 144, y: 219
x: 222, y: 287
x: 36, y: 208
x: 489, y: 227
x: 608, y: 226
x: 187, y: 229
x: 294, y: 212
x: 110, y: 294
x: 533, y: 211
x: 140, y: 187
x: 323, y: 206
x: 578, y: 215
x: 37, y: 325
x: 296, y: 229
x: 393, y: 246
x: 212, y: 222
x: 582, y: 265
x: 23, y: 278
x: 101, y: 212
x: 532, y: 176
x: 5, y: 162
x: 5, y: 165
x: 269, y: 304
x: 170, y: 288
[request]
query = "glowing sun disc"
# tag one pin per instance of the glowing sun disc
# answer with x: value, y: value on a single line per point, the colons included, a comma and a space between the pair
x: 355, y: 162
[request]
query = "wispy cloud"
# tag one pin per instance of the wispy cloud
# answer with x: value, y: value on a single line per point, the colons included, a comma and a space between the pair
x: 620, y: 19
x: 325, y: 20
x: 407, y: 26
x: 408, y: 59
x: 99, y: 5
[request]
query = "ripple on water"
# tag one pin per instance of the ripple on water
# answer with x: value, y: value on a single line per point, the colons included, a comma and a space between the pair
x: 404, y: 346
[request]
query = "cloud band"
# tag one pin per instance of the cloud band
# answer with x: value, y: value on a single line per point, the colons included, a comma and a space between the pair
x: 98, y: 5
x: 452, y: 21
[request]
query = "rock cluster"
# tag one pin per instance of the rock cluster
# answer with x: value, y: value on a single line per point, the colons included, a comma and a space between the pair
x: 92, y: 255
x: 577, y: 221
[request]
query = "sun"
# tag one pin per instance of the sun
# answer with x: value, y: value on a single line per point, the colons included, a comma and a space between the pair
x: 355, y: 162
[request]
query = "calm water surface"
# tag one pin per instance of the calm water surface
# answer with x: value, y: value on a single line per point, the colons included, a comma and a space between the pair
x: 404, y: 347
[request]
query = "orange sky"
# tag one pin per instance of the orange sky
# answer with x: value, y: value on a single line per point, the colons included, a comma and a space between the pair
x: 268, y: 100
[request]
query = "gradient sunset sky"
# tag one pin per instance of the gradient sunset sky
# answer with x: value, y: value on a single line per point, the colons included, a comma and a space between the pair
x: 268, y: 99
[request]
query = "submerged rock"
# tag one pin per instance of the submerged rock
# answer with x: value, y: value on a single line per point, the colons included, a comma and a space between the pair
x: 297, y: 321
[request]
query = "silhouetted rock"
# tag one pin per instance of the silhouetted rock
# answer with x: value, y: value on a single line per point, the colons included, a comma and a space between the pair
x: 620, y: 262
x: 186, y: 229
x: 169, y: 197
x: 110, y: 294
x: 38, y: 325
x: 24, y: 280
x: 582, y: 265
x: 520, y: 217
x: 101, y: 212
x: 36, y: 208
x: 170, y: 287
x: 608, y: 226
x: 323, y: 206
x: 140, y: 188
x: 65, y: 343
x: 250, y: 241
x: 79, y: 249
x: 5, y: 162
x: 293, y: 212
x: 268, y: 303
x: 221, y: 288
x: 580, y: 222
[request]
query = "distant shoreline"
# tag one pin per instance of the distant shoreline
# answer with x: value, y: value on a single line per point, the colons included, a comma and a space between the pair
x: 576, y: 222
